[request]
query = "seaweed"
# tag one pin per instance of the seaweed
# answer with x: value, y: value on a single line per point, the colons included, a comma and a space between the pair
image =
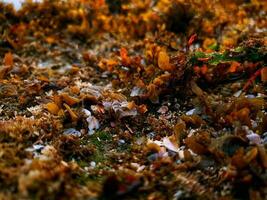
x: 136, y: 99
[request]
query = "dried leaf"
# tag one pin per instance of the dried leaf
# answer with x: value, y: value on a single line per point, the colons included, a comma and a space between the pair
x: 52, y: 108
x: 238, y: 160
x: 3, y: 71
x: 8, y: 64
x: 142, y: 109
x: 243, y: 116
x: 69, y: 100
x: 153, y: 146
x: 164, y: 61
x: 51, y: 39
x: 234, y: 67
x: 252, y: 79
x: 198, y: 143
x: 8, y: 90
x: 263, y: 156
x: 8, y: 59
x: 264, y: 74
x: 192, y: 39
x: 179, y: 132
x: 193, y: 120
x: 73, y: 116
x: 204, y: 69
x: 124, y: 56
x: 251, y: 155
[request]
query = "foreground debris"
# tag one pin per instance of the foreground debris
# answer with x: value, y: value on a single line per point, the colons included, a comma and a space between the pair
x: 133, y: 100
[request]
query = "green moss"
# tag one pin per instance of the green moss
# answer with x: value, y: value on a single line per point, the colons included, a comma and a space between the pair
x: 82, y: 163
x: 216, y: 58
x: 83, y: 179
x: 100, y: 138
x: 238, y: 49
x: 99, y: 156
x: 102, y: 142
x: 214, y: 46
x: 240, y: 54
x: 124, y: 148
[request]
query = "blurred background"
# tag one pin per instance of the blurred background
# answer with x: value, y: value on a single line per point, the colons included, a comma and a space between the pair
x: 17, y: 3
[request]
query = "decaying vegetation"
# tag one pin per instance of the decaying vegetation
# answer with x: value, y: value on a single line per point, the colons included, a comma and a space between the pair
x: 135, y: 99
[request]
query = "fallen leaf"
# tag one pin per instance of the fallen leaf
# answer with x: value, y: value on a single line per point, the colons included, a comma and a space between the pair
x: 198, y: 143
x: 8, y: 59
x: 73, y: 116
x: 192, y: 39
x: 8, y: 63
x: 52, y: 108
x: 142, y: 109
x: 263, y: 156
x: 124, y: 56
x: 264, y: 74
x: 251, y: 155
x: 153, y: 146
x: 234, y: 66
x: 69, y: 100
x: 164, y: 61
